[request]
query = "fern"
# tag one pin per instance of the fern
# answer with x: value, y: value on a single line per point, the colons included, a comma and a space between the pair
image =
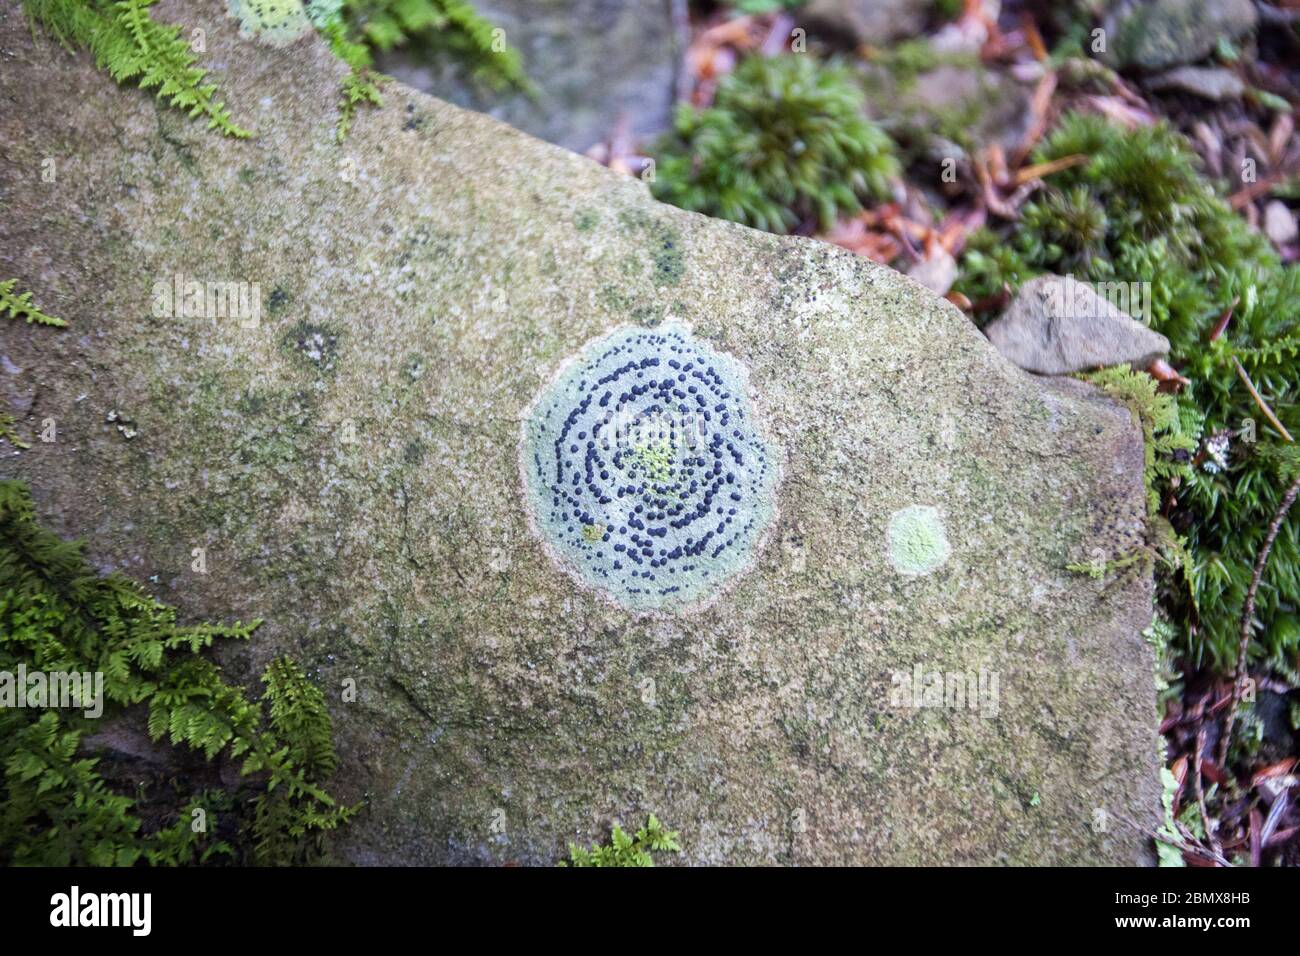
x: 57, y: 614
x: 386, y: 24
x: 354, y: 28
x: 19, y: 306
x: 126, y: 41
x: 625, y: 850
x: 1167, y: 446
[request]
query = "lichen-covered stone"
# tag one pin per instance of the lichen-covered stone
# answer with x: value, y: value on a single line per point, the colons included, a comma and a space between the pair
x: 1216, y: 83
x: 592, y: 63
x: 1154, y: 34
x: 864, y: 21
x: 954, y: 106
x: 278, y: 22
x: 1057, y: 325
x: 349, y: 464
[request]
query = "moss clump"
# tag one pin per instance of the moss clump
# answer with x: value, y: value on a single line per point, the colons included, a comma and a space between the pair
x: 57, y: 616
x: 784, y: 141
x: 917, y: 541
x: 909, y: 59
x: 1139, y: 210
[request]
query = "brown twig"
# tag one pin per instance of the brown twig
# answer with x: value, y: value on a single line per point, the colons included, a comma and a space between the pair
x: 1182, y: 840
x: 1039, y: 105
x: 1248, y: 614
x: 1259, y: 400
x: 1199, y: 789
x: 1039, y: 170
x: 1241, y: 197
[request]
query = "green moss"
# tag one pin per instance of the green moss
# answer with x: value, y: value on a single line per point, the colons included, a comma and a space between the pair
x: 910, y: 58
x: 1140, y: 210
x: 786, y: 140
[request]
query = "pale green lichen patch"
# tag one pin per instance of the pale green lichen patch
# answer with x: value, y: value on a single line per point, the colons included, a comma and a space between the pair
x: 277, y: 22
x: 917, y: 541
x: 656, y: 462
x: 645, y: 470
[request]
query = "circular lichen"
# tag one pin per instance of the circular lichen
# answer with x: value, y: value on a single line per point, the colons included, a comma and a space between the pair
x: 277, y: 22
x: 917, y: 541
x: 644, y: 469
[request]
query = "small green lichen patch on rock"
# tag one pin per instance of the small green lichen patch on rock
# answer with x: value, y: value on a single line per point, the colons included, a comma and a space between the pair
x: 277, y: 300
x: 277, y: 22
x: 665, y: 245
x: 917, y: 541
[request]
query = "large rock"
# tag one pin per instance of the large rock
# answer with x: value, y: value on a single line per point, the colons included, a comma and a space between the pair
x: 594, y: 63
x: 1058, y: 325
x: 1154, y: 34
x: 950, y: 108
x: 350, y: 462
x: 1211, y: 83
x: 864, y: 21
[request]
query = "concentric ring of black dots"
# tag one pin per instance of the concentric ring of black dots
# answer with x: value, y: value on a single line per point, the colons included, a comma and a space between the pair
x: 645, y: 468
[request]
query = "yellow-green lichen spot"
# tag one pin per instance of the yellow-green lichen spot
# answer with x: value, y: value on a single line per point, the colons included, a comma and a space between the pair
x: 916, y: 541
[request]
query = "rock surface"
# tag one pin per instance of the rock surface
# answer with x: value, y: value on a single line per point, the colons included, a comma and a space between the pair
x: 592, y: 61
x: 1212, y: 83
x: 1156, y: 34
x: 1057, y: 325
x: 957, y: 100
x: 349, y: 461
x: 1279, y: 223
x: 864, y: 21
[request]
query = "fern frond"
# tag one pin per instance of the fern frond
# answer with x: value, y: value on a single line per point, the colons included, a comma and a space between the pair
x: 626, y: 850
x: 125, y: 40
x: 20, y: 306
x: 57, y: 614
